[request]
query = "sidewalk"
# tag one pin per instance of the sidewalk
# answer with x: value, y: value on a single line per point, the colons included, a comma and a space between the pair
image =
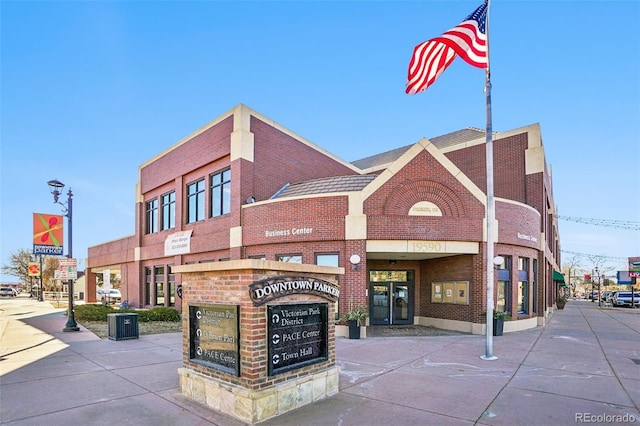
x: 585, y: 364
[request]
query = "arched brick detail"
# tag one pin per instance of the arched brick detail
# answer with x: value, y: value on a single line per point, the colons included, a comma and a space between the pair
x: 409, y: 193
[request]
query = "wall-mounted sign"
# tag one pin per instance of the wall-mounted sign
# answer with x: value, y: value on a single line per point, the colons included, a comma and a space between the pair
x: 288, y: 232
x: 214, y: 338
x: 272, y: 288
x: 425, y: 208
x: 178, y: 243
x: 527, y: 237
x: 297, y: 336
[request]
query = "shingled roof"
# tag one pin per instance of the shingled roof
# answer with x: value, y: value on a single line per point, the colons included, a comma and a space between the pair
x: 327, y: 185
x: 444, y: 141
x: 358, y: 182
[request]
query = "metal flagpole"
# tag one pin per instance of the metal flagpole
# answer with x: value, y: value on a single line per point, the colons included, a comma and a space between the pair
x: 490, y: 206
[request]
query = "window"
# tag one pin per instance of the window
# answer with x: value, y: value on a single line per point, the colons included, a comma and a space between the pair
x: 523, y: 285
x: 172, y: 286
x: 503, y: 299
x: 159, y: 284
x: 152, y: 216
x: 534, y: 291
x: 147, y: 286
x: 195, y: 201
x: 220, y: 193
x: 291, y: 258
x: 169, y: 210
x: 329, y: 259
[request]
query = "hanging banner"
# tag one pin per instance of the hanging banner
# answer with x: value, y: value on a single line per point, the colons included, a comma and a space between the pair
x: 34, y: 269
x: 48, y: 234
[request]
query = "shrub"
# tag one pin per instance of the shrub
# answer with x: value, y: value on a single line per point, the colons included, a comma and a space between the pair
x: 159, y: 314
x: 99, y: 312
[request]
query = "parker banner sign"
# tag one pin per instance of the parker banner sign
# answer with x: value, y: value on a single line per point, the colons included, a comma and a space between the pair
x: 268, y: 289
x: 48, y: 234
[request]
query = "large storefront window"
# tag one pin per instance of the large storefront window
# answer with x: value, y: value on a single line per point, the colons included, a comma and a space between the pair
x: 523, y: 285
x: 391, y: 297
x: 147, y: 286
x: 172, y: 287
x: 159, y: 286
x: 503, y: 296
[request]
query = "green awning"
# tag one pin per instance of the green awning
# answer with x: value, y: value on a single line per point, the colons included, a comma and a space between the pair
x: 558, y: 277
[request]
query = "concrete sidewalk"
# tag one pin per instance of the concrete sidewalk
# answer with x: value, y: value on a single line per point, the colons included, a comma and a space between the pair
x: 584, y: 366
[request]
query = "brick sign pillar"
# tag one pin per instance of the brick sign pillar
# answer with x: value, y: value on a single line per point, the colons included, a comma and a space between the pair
x: 258, y: 336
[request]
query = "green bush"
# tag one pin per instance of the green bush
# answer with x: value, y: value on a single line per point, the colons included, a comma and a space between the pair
x: 158, y: 314
x: 99, y: 312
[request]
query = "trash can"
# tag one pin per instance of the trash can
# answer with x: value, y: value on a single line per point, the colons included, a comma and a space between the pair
x: 122, y: 326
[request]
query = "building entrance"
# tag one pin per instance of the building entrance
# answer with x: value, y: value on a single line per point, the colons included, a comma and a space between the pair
x: 391, y: 297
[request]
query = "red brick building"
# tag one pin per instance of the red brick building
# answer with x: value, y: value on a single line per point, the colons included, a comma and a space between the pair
x: 244, y: 187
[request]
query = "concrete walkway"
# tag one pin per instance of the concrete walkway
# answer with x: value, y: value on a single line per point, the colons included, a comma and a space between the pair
x: 583, y: 367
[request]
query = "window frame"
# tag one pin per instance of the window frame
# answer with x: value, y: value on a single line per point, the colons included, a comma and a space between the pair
x: 168, y: 208
x: 220, y: 193
x: 196, y: 201
x: 151, y: 216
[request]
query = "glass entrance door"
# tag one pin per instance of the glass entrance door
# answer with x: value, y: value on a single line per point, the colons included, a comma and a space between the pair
x: 391, y: 302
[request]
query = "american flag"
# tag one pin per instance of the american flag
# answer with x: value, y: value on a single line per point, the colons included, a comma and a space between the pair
x: 432, y: 57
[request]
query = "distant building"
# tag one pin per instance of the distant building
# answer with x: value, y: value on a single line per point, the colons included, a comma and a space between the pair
x: 244, y: 186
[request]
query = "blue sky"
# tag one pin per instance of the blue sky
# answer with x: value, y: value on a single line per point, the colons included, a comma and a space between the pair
x: 90, y: 90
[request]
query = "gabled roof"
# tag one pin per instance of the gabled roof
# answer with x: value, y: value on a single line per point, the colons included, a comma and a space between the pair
x: 327, y: 185
x: 440, y: 142
x: 374, y: 163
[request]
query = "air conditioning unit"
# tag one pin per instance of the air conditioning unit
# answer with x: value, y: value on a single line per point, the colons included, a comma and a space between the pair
x: 122, y: 326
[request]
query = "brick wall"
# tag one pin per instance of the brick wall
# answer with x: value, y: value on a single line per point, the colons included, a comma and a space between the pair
x: 231, y: 287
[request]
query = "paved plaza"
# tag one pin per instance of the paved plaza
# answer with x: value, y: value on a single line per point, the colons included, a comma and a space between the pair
x: 582, y: 367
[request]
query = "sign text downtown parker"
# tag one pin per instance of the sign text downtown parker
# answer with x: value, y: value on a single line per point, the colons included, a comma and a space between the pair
x: 272, y: 288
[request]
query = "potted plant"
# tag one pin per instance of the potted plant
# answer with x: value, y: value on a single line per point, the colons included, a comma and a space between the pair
x: 561, y: 301
x: 355, y: 318
x: 499, y: 317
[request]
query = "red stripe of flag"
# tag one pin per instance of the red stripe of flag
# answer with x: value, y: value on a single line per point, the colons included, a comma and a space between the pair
x: 432, y: 57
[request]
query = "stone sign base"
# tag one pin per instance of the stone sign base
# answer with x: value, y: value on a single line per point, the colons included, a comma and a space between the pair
x: 256, y: 406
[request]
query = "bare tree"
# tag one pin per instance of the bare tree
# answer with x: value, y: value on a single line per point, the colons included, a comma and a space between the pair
x: 18, y: 265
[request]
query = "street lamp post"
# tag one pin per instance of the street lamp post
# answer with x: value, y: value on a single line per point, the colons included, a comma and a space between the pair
x: 56, y: 186
x: 598, y: 276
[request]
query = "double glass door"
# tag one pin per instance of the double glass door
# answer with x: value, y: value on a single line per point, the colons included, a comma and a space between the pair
x: 391, y: 302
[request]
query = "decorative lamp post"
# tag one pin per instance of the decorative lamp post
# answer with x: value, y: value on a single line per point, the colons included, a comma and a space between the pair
x: 56, y: 187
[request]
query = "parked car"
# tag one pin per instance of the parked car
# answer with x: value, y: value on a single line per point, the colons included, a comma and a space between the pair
x: 593, y: 295
x: 112, y: 295
x: 626, y: 298
x: 607, y: 296
x: 7, y: 291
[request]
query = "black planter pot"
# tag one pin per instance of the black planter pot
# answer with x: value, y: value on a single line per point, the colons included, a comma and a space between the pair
x: 498, y: 326
x: 354, y: 330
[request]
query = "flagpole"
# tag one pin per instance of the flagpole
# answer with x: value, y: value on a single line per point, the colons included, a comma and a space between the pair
x: 490, y: 206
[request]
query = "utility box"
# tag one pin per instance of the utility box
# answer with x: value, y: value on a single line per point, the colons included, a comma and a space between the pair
x: 122, y: 326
